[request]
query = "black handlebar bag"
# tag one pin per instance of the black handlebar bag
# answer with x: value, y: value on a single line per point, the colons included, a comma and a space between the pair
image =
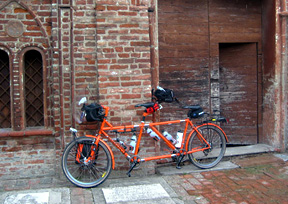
x: 163, y: 95
x: 94, y: 112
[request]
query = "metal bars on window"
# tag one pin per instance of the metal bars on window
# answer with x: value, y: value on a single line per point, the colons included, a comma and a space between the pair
x: 5, y: 110
x: 34, y: 107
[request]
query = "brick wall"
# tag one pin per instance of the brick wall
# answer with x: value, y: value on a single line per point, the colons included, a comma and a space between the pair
x: 123, y: 59
x: 27, y: 153
x: 123, y: 56
x: 90, y: 47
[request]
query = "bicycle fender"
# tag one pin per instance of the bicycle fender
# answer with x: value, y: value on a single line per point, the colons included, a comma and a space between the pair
x: 212, y: 124
x: 109, y: 149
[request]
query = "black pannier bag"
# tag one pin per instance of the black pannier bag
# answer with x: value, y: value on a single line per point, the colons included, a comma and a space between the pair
x: 86, y: 150
x: 195, y: 113
x: 163, y: 95
x: 94, y: 112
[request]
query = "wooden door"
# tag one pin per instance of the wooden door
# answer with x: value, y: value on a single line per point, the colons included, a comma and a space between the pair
x: 238, y: 91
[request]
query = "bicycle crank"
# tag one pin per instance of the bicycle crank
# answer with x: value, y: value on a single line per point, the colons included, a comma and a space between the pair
x: 133, y: 164
x: 180, y: 158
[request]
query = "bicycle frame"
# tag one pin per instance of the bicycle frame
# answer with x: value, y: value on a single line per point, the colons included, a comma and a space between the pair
x: 106, y: 126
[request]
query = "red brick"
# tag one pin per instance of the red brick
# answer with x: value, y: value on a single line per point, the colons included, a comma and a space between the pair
x: 131, y: 83
x: 130, y: 96
x: 120, y: 13
x: 140, y: 43
x: 100, y: 8
x: 129, y: 25
x: 116, y: 8
x: 20, y: 10
x: 118, y: 66
x: 138, y: 31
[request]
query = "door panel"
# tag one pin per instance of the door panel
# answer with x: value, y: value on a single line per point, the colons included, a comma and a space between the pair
x: 238, y: 91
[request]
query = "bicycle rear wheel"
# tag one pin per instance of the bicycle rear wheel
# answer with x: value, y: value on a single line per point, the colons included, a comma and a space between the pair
x: 83, y: 173
x: 210, y: 157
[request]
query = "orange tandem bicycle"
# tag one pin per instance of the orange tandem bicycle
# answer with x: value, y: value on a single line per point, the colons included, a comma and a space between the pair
x: 87, y: 161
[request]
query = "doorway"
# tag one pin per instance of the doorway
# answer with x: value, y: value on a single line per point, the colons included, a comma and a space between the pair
x: 238, y: 91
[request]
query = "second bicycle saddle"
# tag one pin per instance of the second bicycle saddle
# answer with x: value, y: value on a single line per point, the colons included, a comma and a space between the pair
x: 146, y: 105
x: 195, y: 107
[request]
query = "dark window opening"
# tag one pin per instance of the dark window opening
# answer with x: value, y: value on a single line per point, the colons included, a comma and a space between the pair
x: 5, y: 111
x: 34, y: 107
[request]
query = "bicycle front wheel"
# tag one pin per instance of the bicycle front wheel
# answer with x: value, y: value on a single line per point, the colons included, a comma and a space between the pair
x: 86, y: 164
x: 207, y: 158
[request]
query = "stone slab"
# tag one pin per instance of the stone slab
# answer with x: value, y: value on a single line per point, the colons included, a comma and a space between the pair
x: 99, y: 197
x: 190, y: 168
x: 134, y: 193
x: 249, y: 149
x: 284, y: 157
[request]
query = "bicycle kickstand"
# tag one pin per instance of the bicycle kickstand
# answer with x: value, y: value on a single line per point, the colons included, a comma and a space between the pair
x: 179, y: 160
x: 131, y: 168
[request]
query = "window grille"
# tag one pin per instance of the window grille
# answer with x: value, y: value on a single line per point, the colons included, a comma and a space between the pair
x: 5, y: 111
x: 34, y: 108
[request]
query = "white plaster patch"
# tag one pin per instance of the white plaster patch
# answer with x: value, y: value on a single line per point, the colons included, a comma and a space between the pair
x: 28, y: 198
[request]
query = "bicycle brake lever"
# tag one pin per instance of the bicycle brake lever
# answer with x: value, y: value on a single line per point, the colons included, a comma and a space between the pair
x: 73, y: 130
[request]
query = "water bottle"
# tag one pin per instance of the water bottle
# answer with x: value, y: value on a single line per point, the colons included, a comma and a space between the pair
x: 179, y: 139
x: 132, y: 145
x: 153, y: 134
x: 169, y: 137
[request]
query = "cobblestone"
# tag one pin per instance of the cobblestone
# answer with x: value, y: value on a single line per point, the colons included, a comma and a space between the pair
x: 260, y: 179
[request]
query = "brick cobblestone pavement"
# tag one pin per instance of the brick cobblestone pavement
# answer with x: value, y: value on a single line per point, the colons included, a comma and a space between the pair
x: 259, y: 179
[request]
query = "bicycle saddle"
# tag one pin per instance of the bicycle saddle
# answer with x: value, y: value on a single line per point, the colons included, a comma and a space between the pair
x: 196, y: 107
x: 146, y: 105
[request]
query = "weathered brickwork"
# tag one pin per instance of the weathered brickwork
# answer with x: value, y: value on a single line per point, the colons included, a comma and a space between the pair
x: 26, y: 154
x: 99, y: 49
x: 123, y: 55
x: 123, y: 59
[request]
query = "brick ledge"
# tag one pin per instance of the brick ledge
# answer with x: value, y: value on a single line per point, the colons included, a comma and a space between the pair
x: 35, y: 132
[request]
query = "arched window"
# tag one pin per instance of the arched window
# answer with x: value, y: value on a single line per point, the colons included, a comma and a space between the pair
x: 33, y: 86
x: 5, y: 110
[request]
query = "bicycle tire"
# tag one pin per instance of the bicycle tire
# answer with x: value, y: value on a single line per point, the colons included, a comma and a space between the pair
x: 86, y: 175
x: 210, y: 157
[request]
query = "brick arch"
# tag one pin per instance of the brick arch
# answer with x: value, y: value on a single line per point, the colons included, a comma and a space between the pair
x: 32, y: 46
x: 35, y: 18
x: 26, y: 48
x: 5, y: 48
